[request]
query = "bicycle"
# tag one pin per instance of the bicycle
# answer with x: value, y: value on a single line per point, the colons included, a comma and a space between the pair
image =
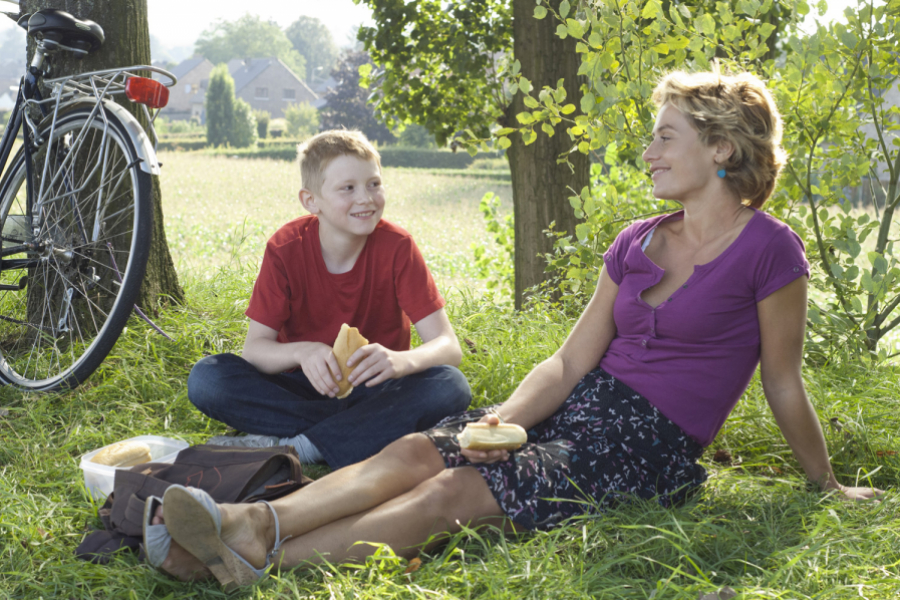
x: 75, y: 214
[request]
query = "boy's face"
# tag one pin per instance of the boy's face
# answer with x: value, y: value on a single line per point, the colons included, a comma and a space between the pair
x: 351, y: 200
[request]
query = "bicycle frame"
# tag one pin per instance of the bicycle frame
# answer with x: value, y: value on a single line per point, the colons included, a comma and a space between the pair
x: 95, y: 87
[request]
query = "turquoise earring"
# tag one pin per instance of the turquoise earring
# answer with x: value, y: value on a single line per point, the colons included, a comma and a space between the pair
x: 721, y: 173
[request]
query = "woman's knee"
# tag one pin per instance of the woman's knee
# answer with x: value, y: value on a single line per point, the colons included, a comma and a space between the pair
x: 414, y: 453
x: 459, y: 495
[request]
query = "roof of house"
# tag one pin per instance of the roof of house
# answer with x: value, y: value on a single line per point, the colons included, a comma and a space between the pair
x: 245, y: 71
x: 186, y: 66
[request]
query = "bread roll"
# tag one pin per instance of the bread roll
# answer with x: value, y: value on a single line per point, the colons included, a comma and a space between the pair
x: 348, y: 341
x: 123, y: 454
x: 482, y: 436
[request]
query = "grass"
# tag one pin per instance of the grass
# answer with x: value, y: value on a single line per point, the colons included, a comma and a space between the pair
x: 754, y: 526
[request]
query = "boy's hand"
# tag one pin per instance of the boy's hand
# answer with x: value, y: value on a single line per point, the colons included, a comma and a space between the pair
x: 375, y: 364
x: 320, y: 366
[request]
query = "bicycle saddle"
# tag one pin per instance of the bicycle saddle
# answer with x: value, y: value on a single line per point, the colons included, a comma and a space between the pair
x: 64, y: 29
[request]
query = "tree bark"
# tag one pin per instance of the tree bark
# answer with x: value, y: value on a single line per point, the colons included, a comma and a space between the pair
x: 127, y: 43
x: 541, y: 187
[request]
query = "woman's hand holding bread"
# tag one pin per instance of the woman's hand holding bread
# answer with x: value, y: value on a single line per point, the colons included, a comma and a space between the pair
x: 486, y: 456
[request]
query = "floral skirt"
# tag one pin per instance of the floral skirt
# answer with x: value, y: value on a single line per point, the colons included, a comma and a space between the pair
x: 606, y: 443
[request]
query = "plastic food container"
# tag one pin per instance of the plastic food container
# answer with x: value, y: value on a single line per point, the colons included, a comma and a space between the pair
x: 99, y: 479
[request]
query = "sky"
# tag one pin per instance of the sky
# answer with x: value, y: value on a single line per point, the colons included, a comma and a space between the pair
x: 180, y: 22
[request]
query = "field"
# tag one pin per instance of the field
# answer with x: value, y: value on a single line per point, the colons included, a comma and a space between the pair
x: 755, y: 527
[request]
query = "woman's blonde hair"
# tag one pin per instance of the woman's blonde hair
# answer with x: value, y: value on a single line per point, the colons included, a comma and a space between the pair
x: 735, y: 108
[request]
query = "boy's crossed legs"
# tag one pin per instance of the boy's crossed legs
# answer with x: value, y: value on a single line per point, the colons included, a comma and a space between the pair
x: 227, y: 388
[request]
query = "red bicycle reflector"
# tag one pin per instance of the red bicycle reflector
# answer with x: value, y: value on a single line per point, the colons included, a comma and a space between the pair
x: 147, y: 91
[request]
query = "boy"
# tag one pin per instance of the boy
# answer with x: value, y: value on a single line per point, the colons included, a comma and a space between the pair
x: 340, y: 264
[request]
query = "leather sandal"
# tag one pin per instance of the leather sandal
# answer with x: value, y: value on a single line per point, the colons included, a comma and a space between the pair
x: 157, y: 539
x: 194, y: 520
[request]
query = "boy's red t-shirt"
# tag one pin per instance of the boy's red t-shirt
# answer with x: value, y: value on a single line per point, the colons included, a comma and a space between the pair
x: 388, y: 288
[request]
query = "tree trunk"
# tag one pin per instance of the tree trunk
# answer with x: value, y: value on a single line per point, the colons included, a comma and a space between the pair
x: 127, y: 43
x: 541, y: 187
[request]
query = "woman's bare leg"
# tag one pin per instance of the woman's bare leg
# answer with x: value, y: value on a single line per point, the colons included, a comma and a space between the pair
x: 397, y: 469
x: 405, y: 523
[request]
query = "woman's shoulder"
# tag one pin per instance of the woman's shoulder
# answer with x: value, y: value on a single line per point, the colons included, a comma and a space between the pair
x: 768, y: 230
x: 638, y: 229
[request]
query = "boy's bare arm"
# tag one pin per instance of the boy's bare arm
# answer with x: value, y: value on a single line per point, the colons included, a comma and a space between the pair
x: 263, y: 350
x: 439, y: 347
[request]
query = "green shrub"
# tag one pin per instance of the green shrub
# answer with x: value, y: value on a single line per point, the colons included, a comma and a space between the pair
x: 421, y: 158
x: 416, y: 136
x: 262, y: 123
x: 219, y: 106
x: 181, y: 144
x: 243, y: 126
x: 489, y: 164
x: 181, y: 129
x: 277, y: 127
x: 302, y: 120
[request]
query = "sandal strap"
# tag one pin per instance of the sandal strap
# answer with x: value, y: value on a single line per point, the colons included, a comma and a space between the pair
x: 278, y: 539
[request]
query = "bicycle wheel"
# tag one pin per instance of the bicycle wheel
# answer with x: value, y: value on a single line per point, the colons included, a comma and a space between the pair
x: 67, y: 292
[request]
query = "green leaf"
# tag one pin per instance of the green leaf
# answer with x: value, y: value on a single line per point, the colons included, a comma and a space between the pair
x: 562, y: 31
x: 867, y: 283
x: 612, y: 194
x: 504, y: 131
x: 575, y: 28
x: 595, y: 40
x: 504, y: 142
x: 651, y: 9
x: 584, y: 147
x: 525, y: 85
x: 582, y: 231
x: 540, y: 12
x: 568, y: 109
x: 662, y: 48
x: 531, y: 102
x: 525, y: 118
x: 587, y: 103
x: 564, y: 7
x: 707, y: 24
x: 529, y: 136
x: 548, y: 129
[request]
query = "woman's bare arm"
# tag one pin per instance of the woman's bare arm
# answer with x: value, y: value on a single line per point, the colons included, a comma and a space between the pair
x: 544, y: 389
x: 782, y: 322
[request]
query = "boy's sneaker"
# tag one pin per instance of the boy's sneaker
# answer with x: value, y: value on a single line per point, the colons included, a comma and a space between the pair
x: 245, y: 441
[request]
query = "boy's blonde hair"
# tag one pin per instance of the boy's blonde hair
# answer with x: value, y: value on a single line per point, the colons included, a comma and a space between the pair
x: 318, y: 151
x: 737, y: 109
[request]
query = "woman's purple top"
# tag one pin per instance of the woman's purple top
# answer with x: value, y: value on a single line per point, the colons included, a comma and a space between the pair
x: 693, y: 355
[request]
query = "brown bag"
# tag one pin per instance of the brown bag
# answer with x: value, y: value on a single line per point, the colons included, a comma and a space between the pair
x: 227, y: 474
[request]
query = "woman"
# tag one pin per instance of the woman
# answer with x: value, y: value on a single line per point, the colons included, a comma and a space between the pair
x: 686, y: 306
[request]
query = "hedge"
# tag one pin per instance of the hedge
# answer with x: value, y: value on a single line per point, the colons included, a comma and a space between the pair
x: 416, y: 158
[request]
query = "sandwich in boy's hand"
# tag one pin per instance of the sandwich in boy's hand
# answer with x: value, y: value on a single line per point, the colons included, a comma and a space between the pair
x: 482, y: 436
x: 348, y: 341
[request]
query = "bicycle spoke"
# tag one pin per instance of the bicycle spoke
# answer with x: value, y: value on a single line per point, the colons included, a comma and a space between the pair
x: 82, y: 263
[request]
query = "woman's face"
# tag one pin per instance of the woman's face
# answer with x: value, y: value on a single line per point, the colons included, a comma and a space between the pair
x: 681, y: 166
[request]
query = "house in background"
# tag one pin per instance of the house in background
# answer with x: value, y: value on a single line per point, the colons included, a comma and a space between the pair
x: 264, y: 83
x: 268, y: 84
x: 186, y: 98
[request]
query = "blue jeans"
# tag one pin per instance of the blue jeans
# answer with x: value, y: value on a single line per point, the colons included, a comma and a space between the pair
x: 227, y: 388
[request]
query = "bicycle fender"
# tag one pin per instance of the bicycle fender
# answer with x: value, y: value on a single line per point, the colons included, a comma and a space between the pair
x: 149, y: 162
